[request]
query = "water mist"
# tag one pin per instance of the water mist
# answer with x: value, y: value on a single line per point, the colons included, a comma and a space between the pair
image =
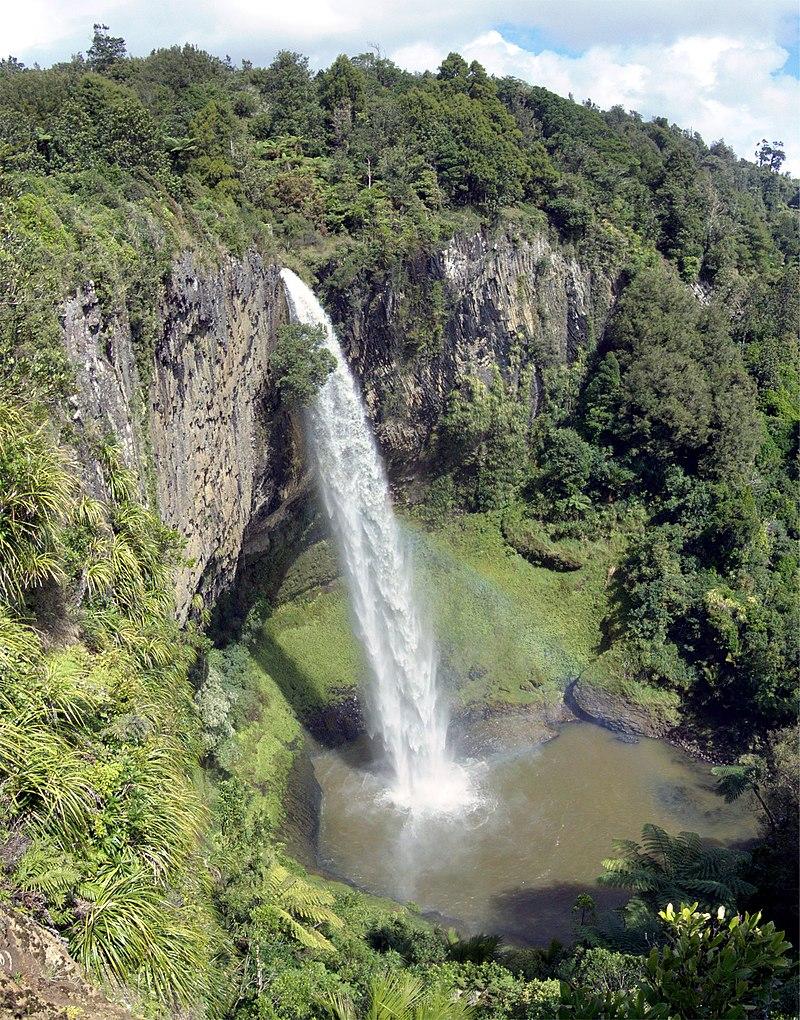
x: 399, y: 647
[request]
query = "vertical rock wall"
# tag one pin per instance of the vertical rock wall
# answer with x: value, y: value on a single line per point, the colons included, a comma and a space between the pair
x: 200, y: 418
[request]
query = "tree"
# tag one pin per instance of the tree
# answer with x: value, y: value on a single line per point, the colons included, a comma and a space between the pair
x: 566, y: 465
x: 301, y: 362
x: 105, y: 50
x: 296, y: 907
x: 470, y: 138
x: 584, y: 908
x: 342, y: 84
x: 601, y: 399
x: 288, y: 89
x: 711, y: 967
x: 747, y: 776
x: 771, y: 156
x: 483, y: 438
x: 665, y: 869
x: 683, y: 211
x: 454, y: 70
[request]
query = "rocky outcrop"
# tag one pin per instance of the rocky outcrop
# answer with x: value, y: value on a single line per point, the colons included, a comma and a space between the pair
x: 198, y: 415
x: 226, y: 454
x: 615, y: 712
x: 514, y: 303
x: 39, y: 980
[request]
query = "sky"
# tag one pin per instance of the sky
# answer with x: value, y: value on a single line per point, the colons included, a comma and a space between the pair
x: 725, y: 68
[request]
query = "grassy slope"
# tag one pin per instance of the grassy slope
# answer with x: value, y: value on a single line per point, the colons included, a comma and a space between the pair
x: 509, y: 632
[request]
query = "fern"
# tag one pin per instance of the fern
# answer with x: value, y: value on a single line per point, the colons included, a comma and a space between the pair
x: 664, y: 869
x: 301, y: 907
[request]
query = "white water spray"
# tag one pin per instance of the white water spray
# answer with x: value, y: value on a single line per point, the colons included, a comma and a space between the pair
x: 399, y: 647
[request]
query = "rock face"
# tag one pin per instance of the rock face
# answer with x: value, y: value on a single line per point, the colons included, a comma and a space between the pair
x: 40, y: 981
x: 199, y: 415
x: 204, y: 427
x: 511, y: 303
x: 615, y: 712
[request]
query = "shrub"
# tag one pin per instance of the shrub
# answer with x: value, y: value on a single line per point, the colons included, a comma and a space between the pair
x: 530, y: 541
x: 301, y: 362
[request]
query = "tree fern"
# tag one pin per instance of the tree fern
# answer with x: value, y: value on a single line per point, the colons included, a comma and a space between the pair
x: 301, y: 907
x: 664, y: 869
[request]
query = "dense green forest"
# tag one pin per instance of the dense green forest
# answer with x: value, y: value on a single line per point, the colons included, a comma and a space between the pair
x: 124, y: 823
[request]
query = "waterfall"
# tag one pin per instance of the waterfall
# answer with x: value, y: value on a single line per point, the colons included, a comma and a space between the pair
x: 398, y: 644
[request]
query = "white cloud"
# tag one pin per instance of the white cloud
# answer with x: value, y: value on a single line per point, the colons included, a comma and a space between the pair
x: 720, y: 86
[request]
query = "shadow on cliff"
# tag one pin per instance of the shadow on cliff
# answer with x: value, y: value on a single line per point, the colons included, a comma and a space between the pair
x: 332, y: 724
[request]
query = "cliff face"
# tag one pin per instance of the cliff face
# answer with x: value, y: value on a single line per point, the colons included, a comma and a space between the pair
x: 510, y: 303
x: 204, y: 427
x: 201, y: 421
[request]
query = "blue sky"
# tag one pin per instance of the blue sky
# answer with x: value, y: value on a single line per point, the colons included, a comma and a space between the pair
x: 725, y: 68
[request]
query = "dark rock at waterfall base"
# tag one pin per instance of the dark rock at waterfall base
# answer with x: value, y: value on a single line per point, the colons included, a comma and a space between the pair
x: 613, y: 711
x: 338, y: 723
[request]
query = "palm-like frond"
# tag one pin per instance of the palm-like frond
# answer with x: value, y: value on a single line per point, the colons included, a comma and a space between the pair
x: 403, y: 996
x: 44, y: 776
x: 734, y: 780
x: 46, y: 869
x: 35, y: 487
x: 302, y: 906
x: 128, y: 933
x: 680, y: 868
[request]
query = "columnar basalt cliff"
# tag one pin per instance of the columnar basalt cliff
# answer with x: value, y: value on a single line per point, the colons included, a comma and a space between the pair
x: 513, y: 303
x: 204, y: 428
x: 200, y: 417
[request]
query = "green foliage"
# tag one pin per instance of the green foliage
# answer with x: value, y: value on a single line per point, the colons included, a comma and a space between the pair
x: 105, y: 50
x: 711, y: 967
x: 298, y: 908
x: 678, y: 436
x: 403, y: 997
x: 34, y: 489
x: 497, y: 993
x: 125, y: 929
x: 483, y: 438
x: 97, y: 739
x: 530, y: 540
x: 301, y: 361
x: 472, y: 141
x: 479, y: 948
x: 602, y: 971
x: 666, y: 868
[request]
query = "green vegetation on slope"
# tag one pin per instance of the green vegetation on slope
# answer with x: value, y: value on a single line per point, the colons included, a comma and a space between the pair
x: 100, y: 818
x: 508, y: 632
x: 677, y: 438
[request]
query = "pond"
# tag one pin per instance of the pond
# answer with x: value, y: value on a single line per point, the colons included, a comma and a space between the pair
x: 545, y: 818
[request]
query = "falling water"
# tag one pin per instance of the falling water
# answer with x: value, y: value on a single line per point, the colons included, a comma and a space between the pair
x: 399, y: 647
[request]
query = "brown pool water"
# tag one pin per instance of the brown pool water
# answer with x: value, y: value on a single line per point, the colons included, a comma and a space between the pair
x: 545, y: 818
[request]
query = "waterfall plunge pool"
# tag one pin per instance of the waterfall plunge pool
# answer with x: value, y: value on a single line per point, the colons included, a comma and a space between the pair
x: 545, y: 818
x: 525, y: 831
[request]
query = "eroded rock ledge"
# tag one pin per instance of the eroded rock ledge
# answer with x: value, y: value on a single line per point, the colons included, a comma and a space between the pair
x: 39, y: 980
